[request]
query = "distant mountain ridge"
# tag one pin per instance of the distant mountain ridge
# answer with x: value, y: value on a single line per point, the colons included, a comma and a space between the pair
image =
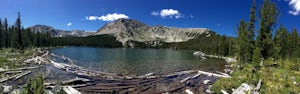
x: 59, y: 33
x: 126, y: 30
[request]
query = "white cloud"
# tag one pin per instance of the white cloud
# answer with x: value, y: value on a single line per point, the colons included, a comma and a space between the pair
x: 69, y: 24
x: 108, y: 17
x: 295, y: 4
x: 171, y: 13
x: 91, y: 18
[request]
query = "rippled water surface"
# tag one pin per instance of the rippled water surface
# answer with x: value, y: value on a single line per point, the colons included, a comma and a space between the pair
x: 127, y: 61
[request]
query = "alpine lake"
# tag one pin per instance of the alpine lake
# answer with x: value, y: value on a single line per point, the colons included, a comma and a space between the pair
x: 135, y: 61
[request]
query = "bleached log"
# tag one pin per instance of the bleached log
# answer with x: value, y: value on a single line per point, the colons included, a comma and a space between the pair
x: 179, y: 73
x: 70, y: 90
x: 185, y: 79
x: 47, y: 52
x: 213, y: 74
x: 146, y: 75
x: 23, y: 74
x: 197, y: 75
x: 58, y: 65
x: 258, y: 85
x: 29, y: 60
x: 224, y: 92
x: 17, y: 76
x: 24, y: 68
x: 223, y: 73
x: 64, y: 58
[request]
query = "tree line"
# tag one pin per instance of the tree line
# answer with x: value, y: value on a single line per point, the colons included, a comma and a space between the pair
x: 97, y: 40
x: 15, y: 36
x: 253, y: 48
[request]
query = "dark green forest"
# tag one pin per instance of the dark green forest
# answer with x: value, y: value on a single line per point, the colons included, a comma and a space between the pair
x: 15, y: 36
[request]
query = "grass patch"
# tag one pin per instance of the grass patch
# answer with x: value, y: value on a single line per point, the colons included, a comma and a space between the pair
x: 12, y: 58
x: 275, y: 79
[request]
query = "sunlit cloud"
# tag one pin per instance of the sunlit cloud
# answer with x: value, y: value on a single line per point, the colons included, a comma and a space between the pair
x: 108, y: 17
x: 69, y: 24
x: 171, y: 13
x: 295, y: 4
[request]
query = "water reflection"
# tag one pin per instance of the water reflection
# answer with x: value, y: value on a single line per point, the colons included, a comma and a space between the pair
x: 137, y: 61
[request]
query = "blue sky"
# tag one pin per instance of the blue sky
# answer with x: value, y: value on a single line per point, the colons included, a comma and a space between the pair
x: 221, y: 16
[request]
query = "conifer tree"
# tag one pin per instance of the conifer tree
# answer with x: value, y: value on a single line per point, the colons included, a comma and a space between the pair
x: 280, y: 42
x: 5, y: 37
x: 293, y: 43
x: 268, y: 18
x: 251, y: 30
x: 243, y: 46
x: 18, y: 30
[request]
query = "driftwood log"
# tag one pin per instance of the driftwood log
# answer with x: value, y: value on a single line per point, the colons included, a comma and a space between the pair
x: 17, y: 76
x: 214, y: 74
x: 70, y: 90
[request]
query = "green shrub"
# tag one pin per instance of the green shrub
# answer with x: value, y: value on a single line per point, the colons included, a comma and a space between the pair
x: 35, y: 86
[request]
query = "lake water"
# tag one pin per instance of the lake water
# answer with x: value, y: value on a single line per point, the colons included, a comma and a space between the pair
x: 125, y: 61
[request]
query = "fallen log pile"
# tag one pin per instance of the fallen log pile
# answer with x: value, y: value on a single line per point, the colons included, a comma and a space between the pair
x: 112, y: 83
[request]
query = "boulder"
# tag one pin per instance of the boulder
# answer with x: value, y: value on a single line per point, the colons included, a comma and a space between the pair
x: 243, y: 89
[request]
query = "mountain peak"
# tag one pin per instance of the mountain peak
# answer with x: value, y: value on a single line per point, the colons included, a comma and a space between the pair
x: 129, y: 23
x: 126, y: 30
x: 59, y: 33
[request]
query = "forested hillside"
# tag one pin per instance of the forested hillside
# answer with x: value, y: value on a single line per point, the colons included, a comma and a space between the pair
x: 265, y: 53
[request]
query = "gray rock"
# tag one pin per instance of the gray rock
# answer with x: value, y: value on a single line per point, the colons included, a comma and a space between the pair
x: 16, y: 91
x: 7, y: 89
x: 208, y: 91
x: 206, y: 81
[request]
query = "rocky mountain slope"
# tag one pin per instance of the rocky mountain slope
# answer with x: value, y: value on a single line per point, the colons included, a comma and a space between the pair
x: 126, y: 30
x: 59, y: 33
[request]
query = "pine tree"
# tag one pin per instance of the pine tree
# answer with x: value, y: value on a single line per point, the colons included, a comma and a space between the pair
x: 268, y: 18
x: 243, y: 45
x: 13, y: 35
x: 251, y: 30
x: 18, y: 40
x: 5, y: 34
x: 224, y: 46
x: 280, y: 43
x: 1, y: 34
x: 293, y: 43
